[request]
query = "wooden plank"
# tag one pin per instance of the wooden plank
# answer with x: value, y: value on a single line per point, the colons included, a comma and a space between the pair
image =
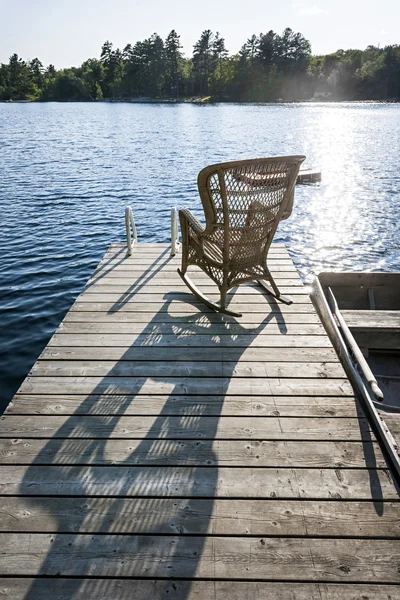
x: 212, y: 428
x: 164, y: 253
x: 200, y: 517
x: 157, y: 283
x: 190, y: 339
x: 161, y: 261
x: 164, y: 250
x: 298, y: 294
x: 200, y: 482
x: 169, y: 277
x: 166, y: 270
x: 163, y: 257
x: 169, y: 281
x: 308, y: 176
x: 189, y: 452
x: 190, y: 385
x: 95, y: 368
x: 205, y: 355
x: 121, y: 246
x: 185, y: 318
x: 164, y: 276
x: 393, y: 423
x: 193, y: 307
x: 186, y: 556
x: 376, y: 319
x: 128, y: 404
x: 138, y: 269
x: 14, y: 588
x: 181, y: 328
x: 145, y: 249
x: 160, y: 250
x: 150, y: 289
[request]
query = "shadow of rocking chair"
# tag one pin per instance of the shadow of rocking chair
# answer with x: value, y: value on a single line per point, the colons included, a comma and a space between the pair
x: 243, y: 203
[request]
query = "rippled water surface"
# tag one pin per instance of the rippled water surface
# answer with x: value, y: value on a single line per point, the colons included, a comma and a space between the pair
x: 68, y: 170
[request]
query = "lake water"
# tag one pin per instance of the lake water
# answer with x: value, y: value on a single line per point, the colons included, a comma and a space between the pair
x: 68, y: 170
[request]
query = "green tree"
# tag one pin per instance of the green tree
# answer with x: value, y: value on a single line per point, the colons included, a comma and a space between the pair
x: 113, y: 64
x: 92, y: 76
x: 266, y: 49
x: 21, y: 85
x: 145, y: 69
x: 173, y: 62
x: 157, y: 66
x: 203, y: 61
x: 4, y: 82
x: 251, y: 48
x: 38, y: 70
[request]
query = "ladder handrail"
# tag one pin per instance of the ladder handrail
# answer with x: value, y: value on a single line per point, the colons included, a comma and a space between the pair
x: 130, y: 223
x: 131, y: 229
x: 175, y: 245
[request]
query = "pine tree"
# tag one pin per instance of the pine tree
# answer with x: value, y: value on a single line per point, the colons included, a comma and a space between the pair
x: 173, y: 57
x: 203, y: 60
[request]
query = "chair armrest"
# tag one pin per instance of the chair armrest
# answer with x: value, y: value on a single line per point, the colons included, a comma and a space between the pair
x: 193, y: 224
x: 289, y: 208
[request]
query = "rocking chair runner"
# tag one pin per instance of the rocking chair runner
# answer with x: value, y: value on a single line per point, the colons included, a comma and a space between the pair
x: 243, y: 202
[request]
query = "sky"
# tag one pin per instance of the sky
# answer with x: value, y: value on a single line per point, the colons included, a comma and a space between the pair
x: 67, y: 32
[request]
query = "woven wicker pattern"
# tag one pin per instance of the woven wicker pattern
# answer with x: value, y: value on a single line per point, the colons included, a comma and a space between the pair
x: 243, y: 202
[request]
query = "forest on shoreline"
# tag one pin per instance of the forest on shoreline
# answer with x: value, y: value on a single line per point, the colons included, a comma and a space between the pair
x: 269, y: 67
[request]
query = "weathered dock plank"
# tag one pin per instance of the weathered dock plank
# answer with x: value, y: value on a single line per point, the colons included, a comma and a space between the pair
x: 190, y: 306
x: 188, y: 339
x: 191, y: 329
x: 103, y: 589
x: 237, y: 453
x: 187, y: 385
x: 93, y: 296
x: 205, y: 482
x: 200, y: 557
x: 249, y: 428
x: 209, y: 405
x: 185, y: 319
x: 154, y: 439
x: 317, y: 518
x: 90, y: 368
x: 194, y: 354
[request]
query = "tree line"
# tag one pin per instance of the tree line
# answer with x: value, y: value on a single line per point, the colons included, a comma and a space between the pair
x: 269, y: 67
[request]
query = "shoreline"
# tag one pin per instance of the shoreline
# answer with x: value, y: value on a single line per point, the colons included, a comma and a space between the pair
x: 200, y: 101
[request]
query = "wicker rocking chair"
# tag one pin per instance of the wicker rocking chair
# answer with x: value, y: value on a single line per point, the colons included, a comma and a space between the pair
x: 243, y: 202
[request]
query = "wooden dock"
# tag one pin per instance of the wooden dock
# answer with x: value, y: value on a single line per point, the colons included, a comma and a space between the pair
x: 159, y: 450
x: 309, y: 176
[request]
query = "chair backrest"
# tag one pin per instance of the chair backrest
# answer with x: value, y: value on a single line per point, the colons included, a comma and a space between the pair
x: 244, y: 201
